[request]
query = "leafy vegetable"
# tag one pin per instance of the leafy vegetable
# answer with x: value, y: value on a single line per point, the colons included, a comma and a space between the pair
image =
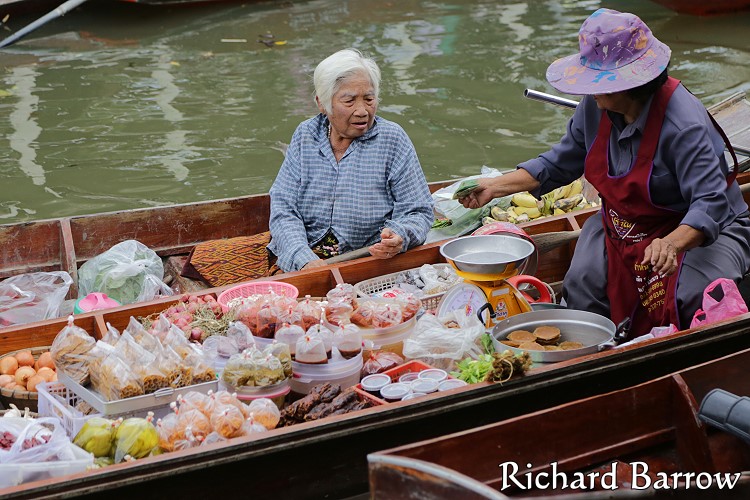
x: 489, y: 347
x: 473, y: 371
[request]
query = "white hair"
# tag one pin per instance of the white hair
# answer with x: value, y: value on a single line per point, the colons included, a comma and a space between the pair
x: 333, y: 70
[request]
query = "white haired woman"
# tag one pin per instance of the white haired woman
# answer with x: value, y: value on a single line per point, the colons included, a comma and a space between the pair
x: 350, y: 179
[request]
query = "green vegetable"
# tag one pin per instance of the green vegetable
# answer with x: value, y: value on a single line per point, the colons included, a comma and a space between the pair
x: 441, y: 223
x: 474, y: 371
x: 487, y: 344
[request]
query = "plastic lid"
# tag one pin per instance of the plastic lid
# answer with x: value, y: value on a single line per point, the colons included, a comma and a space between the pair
x: 435, y: 374
x: 95, y: 301
x: 408, y: 377
x: 375, y: 382
x: 424, y: 385
x: 451, y: 383
x: 394, y: 391
x: 413, y: 395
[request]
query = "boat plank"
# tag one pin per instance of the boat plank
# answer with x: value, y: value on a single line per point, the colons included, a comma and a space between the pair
x: 31, y: 246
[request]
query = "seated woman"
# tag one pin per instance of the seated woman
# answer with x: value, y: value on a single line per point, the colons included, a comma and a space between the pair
x: 350, y: 179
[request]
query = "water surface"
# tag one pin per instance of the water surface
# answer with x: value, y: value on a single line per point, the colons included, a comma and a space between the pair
x: 119, y: 106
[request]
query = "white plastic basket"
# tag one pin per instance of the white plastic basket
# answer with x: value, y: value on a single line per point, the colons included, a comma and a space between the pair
x: 367, y: 288
x: 56, y: 400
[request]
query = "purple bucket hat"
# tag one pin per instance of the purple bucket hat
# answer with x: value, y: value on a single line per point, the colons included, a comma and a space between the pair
x: 617, y: 52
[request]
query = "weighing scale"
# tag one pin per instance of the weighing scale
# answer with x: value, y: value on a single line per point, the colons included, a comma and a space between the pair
x: 490, y: 266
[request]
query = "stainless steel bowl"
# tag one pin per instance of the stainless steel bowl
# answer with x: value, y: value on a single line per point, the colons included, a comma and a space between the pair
x: 494, y: 255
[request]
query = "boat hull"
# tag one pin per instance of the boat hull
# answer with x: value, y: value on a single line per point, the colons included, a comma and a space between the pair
x: 703, y: 8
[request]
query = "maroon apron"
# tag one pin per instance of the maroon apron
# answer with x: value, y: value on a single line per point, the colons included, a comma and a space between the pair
x: 632, y: 221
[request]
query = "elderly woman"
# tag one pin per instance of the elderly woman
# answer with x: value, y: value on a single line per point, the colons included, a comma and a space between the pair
x: 350, y: 179
x: 673, y: 219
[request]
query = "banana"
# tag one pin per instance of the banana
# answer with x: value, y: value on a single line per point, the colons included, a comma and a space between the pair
x: 567, y: 204
x: 524, y: 200
x: 558, y: 212
x: 488, y: 220
x: 522, y: 218
x: 498, y: 214
x: 576, y: 187
x: 533, y: 213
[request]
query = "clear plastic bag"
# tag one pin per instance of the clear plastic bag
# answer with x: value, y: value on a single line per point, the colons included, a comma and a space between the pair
x: 71, y: 350
x: 265, y: 412
x: 128, y: 272
x: 32, y: 297
x: 34, y: 441
x: 381, y: 361
x: 437, y: 345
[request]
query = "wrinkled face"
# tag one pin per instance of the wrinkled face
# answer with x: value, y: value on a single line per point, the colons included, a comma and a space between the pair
x: 353, y: 107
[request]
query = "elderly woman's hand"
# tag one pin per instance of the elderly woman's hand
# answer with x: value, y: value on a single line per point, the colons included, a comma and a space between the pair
x: 662, y: 255
x: 390, y: 244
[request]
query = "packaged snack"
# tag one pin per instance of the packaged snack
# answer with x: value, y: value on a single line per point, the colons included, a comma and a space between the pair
x: 267, y: 318
x: 117, y: 380
x: 381, y: 361
x: 70, y: 350
x: 265, y: 412
x: 343, y: 292
x: 289, y: 334
x: 363, y: 313
x: 241, y: 335
x: 386, y: 315
x: 325, y: 334
x: 311, y: 350
x: 338, y: 311
x: 310, y: 311
x: 227, y: 420
x: 348, y: 341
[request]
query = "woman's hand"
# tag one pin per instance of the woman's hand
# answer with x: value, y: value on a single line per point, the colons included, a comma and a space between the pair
x: 314, y: 263
x: 662, y: 255
x: 480, y: 196
x: 390, y: 244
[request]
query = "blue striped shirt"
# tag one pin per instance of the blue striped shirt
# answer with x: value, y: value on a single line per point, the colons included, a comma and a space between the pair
x: 377, y: 183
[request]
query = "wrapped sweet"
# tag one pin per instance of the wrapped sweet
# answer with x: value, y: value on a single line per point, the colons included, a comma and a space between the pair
x: 70, y: 350
x: 281, y: 351
x: 135, y: 437
x: 348, y: 341
x: 227, y: 420
x: 192, y: 422
x: 195, y: 400
x: 250, y: 426
x: 241, y: 335
x: 289, y: 334
x: 311, y: 350
x: 166, y: 429
x: 289, y: 316
x: 265, y: 412
x: 386, y: 315
x: 310, y: 311
x: 111, y: 335
x: 221, y: 398
x: 410, y: 306
x: 380, y: 362
x: 117, y: 380
x: 324, y: 333
x: 253, y: 368
x: 266, y: 324
x: 342, y: 292
x: 338, y: 311
x: 363, y: 313
x: 247, y: 311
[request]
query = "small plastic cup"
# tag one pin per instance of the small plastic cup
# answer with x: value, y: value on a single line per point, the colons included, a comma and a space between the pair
x: 374, y: 383
x: 394, y: 392
x: 424, y: 385
x: 408, y: 377
x: 434, y: 374
x: 451, y: 383
x: 413, y: 395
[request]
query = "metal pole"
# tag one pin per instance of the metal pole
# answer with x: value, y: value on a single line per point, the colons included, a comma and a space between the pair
x: 58, y: 12
x: 549, y: 98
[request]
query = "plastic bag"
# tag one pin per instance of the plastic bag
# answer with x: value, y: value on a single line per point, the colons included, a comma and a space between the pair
x: 265, y: 412
x: 437, y: 345
x: 71, y: 351
x: 721, y: 300
x: 32, y: 297
x: 381, y: 361
x: 128, y: 272
x: 34, y: 442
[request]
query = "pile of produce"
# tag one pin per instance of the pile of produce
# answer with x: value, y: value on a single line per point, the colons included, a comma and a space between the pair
x: 492, y: 366
x: 115, y: 441
x: 524, y: 207
x: 198, y: 316
x: 22, y: 372
x: 323, y: 400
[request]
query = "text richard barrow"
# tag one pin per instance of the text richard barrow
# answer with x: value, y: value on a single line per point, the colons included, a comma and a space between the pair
x: 638, y: 478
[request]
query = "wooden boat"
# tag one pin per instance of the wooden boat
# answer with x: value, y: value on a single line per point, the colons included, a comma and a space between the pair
x: 326, y: 457
x: 701, y: 8
x: 637, y: 441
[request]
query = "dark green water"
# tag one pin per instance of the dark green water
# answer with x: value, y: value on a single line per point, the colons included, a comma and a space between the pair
x: 120, y: 106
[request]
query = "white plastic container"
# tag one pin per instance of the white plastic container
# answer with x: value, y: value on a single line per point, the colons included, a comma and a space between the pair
x: 56, y: 400
x: 387, y: 339
x: 344, y: 372
x: 276, y: 393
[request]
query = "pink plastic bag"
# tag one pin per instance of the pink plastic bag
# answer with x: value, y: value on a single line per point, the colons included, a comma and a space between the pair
x: 721, y: 300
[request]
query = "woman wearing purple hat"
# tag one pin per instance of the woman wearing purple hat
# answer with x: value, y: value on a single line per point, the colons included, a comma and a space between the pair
x: 673, y: 219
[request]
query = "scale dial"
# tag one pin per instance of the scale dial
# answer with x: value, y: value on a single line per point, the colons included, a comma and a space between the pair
x: 464, y: 296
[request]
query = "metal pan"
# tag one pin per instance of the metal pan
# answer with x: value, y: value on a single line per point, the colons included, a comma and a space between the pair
x: 594, y: 331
